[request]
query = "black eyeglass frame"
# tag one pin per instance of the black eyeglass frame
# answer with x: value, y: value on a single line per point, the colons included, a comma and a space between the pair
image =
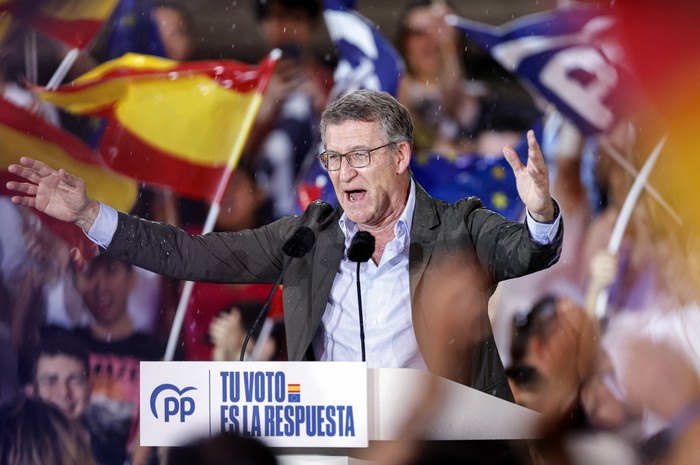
x: 324, y: 155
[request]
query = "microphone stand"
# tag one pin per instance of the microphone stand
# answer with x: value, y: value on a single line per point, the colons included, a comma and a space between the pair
x: 265, y: 309
x: 359, y: 304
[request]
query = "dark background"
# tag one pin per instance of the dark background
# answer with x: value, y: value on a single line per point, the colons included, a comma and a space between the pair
x: 228, y: 28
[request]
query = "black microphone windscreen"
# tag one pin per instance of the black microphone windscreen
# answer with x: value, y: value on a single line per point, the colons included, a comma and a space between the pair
x: 361, y: 247
x: 300, y: 243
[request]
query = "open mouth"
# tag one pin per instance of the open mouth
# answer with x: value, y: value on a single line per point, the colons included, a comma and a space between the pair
x: 355, y: 195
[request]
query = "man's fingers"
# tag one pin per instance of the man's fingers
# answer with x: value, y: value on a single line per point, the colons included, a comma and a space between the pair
x: 534, y: 153
x: 512, y: 158
x: 24, y: 187
x: 35, y: 165
x: 24, y: 172
x: 23, y: 200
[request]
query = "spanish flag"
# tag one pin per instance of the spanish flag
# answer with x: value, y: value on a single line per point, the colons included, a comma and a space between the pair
x: 181, y: 125
x: 23, y: 133
x: 73, y: 22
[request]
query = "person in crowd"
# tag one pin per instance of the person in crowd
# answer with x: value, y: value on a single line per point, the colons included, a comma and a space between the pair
x: 9, y: 374
x: 61, y: 374
x: 659, y: 379
x: 553, y: 352
x: 176, y: 29
x: 223, y: 449
x: 116, y: 349
x: 35, y: 433
x: 13, y: 81
x: 453, y: 112
x: 368, y: 139
x: 229, y: 329
x: 284, y: 136
x: 244, y: 205
x: 445, y: 106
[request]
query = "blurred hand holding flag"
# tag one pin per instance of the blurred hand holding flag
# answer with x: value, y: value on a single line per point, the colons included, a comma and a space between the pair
x: 24, y: 133
x: 367, y: 59
x: 181, y: 125
x: 73, y: 22
x: 568, y: 56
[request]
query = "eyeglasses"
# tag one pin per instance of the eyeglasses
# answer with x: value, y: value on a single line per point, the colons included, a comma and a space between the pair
x: 330, y: 161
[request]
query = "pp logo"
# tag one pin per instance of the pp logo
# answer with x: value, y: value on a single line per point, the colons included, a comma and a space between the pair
x: 173, y: 406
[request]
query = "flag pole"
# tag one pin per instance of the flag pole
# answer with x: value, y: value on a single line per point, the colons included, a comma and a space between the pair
x: 30, y: 57
x: 63, y: 69
x: 215, y: 207
x: 631, y: 170
x: 624, y: 217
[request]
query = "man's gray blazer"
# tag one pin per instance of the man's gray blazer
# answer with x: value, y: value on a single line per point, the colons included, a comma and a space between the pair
x: 458, y: 254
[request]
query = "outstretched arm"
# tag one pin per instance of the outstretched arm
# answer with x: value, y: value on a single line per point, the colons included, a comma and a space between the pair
x: 532, y: 180
x: 54, y: 192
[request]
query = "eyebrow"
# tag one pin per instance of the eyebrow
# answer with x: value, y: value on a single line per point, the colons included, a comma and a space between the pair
x: 354, y: 149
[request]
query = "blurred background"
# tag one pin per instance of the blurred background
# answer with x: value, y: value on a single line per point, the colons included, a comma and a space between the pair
x: 227, y: 29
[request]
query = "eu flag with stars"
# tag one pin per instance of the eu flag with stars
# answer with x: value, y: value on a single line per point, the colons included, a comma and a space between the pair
x: 133, y: 30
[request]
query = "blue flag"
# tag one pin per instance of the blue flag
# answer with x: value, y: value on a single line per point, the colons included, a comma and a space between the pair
x: 452, y: 179
x: 490, y: 178
x: 567, y: 56
x: 133, y: 30
x: 367, y: 59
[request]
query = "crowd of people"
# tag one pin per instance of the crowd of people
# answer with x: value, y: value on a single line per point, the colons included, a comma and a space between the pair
x: 620, y: 388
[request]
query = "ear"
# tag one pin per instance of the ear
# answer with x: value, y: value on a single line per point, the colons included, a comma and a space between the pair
x: 403, y: 157
x: 536, y: 347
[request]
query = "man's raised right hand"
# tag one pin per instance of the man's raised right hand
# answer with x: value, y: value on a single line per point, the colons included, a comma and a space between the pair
x: 56, y: 193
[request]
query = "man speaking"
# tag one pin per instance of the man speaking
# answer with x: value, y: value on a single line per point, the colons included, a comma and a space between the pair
x: 425, y: 250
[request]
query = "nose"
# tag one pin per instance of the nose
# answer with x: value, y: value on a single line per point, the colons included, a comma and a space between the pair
x: 346, y: 171
x: 63, y: 392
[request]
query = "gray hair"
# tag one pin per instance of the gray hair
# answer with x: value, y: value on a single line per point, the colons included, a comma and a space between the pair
x: 371, y: 106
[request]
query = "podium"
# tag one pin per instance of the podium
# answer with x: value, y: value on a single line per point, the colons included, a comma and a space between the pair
x: 462, y: 414
x: 319, y: 412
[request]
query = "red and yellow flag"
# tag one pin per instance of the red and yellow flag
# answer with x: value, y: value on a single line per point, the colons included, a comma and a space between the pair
x: 25, y: 134
x: 663, y: 49
x: 177, y: 124
x: 73, y: 22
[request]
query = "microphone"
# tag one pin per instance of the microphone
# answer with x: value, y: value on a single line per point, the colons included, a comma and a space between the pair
x: 361, y: 250
x: 301, y: 242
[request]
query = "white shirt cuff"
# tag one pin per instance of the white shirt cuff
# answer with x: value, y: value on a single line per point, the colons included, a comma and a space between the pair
x: 104, y: 227
x: 543, y: 233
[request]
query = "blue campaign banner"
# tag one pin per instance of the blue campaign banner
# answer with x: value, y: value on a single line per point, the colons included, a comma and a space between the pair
x: 367, y: 59
x: 569, y: 56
